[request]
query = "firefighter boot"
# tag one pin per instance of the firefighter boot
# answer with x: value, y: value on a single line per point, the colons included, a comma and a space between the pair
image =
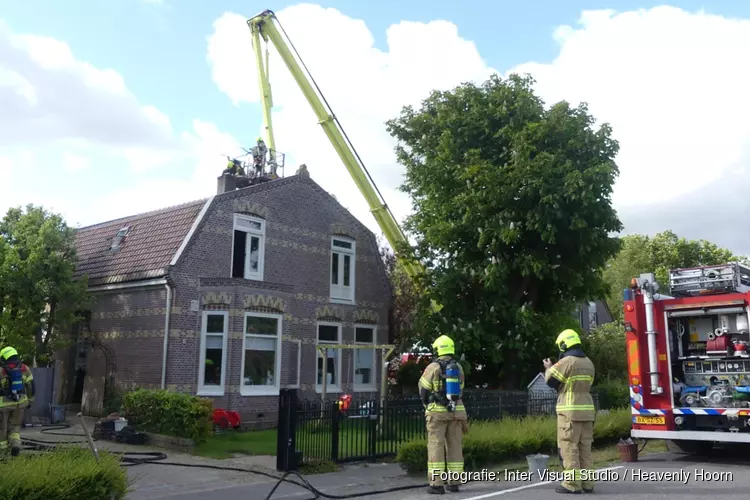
x: 563, y: 489
x: 435, y: 490
x: 453, y: 488
x: 14, y: 452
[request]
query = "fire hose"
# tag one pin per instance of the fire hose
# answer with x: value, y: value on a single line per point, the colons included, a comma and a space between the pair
x: 130, y: 459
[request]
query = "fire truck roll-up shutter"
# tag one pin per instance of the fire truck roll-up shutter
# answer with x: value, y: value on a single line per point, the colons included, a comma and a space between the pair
x: 705, y: 312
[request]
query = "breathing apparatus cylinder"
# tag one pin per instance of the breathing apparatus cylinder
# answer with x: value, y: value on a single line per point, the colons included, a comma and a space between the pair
x: 16, y: 381
x: 452, y: 382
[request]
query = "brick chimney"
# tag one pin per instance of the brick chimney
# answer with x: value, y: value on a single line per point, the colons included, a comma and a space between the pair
x: 226, y: 183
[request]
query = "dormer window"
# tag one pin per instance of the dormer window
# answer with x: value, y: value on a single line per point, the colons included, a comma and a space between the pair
x: 118, y: 239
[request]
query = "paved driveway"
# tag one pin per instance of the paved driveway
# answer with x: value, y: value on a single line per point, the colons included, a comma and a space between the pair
x: 656, y: 476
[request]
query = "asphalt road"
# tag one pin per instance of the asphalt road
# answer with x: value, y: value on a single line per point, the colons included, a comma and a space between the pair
x: 725, y: 476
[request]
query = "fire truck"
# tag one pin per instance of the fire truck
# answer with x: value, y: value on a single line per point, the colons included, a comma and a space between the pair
x: 687, y: 354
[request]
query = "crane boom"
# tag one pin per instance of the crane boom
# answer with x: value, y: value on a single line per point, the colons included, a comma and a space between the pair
x: 263, y: 28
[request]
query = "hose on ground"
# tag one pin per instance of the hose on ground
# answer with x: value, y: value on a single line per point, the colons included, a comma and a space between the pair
x: 130, y: 459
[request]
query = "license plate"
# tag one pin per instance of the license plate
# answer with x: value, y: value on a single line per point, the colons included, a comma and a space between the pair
x: 658, y: 420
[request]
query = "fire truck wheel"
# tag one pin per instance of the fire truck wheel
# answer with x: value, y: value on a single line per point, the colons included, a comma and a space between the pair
x: 698, y: 448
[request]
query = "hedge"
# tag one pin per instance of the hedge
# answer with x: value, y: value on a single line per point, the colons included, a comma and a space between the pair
x: 492, y: 443
x: 613, y: 394
x: 170, y: 413
x: 69, y: 473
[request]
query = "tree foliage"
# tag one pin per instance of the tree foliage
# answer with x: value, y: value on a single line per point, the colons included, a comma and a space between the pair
x: 405, y: 301
x: 605, y: 346
x: 658, y: 254
x: 39, y: 297
x: 511, y: 214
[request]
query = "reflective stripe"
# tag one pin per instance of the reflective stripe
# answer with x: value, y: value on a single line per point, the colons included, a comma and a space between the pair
x: 436, y: 466
x: 555, y: 373
x: 455, y: 466
x: 424, y: 383
x: 575, y: 407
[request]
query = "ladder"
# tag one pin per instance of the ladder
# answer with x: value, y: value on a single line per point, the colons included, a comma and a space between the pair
x: 724, y: 278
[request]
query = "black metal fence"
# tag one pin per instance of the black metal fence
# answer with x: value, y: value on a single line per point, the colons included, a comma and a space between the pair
x: 316, y: 431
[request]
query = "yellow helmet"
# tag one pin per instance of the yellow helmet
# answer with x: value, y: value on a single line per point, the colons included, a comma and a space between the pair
x: 567, y: 339
x: 8, y: 353
x: 444, y: 345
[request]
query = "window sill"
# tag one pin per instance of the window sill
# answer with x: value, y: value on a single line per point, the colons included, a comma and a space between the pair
x: 331, y: 389
x: 334, y: 300
x: 259, y: 391
x: 210, y: 392
x: 253, y: 278
x: 365, y: 388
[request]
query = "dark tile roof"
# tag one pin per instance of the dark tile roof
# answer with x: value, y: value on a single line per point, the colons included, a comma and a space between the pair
x: 152, y: 241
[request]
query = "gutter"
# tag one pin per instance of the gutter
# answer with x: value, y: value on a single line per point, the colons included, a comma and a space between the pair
x: 167, y: 317
x: 122, y: 286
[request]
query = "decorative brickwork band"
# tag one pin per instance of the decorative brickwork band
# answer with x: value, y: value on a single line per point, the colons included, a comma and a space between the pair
x: 366, y: 316
x: 248, y: 207
x: 324, y: 313
x: 339, y: 229
x: 264, y: 303
x: 216, y: 299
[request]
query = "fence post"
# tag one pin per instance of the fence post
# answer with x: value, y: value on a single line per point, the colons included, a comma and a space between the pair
x: 374, y: 417
x: 286, y: 444
x: 334, y: 433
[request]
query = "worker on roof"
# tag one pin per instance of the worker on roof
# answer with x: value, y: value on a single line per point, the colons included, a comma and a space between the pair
x: 572, y: 377
x: 234, y: 167
x: 259, y: 156
x: 16, y: 394
x: 440, y: 389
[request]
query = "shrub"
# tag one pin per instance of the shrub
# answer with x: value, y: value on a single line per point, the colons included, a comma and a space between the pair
x: 171, y: 413
x: 76, y: 475
x: 490, y: 443
x: 613, y: 394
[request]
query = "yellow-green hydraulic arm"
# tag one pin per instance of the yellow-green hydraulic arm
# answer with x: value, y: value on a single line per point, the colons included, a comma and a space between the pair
x: 264, y: 29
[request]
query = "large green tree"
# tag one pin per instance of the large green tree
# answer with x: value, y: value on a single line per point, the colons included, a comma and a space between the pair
x: 658, y: 254
x: 405, y: 302
x: 512, y: 216
x: 39, y: 297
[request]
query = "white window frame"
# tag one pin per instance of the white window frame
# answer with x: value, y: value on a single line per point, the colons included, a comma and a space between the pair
x: 339, y: 293
x: 204, y: 390
x: 261, y: 234
x: 299, y: 364
x: 261, y: 390
x: 365, y: 387
x: 334, y: 388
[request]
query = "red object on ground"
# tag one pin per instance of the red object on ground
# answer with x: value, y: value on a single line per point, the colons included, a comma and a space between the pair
x: 225, y: 418
x: 344, y: 402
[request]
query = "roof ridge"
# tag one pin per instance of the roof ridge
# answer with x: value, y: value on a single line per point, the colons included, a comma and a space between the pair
x: 145, y: 214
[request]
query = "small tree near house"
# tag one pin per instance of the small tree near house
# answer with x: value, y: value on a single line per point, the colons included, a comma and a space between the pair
x: 39, y: 297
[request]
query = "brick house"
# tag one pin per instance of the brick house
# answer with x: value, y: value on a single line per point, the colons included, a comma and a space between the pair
x: 245, y: 284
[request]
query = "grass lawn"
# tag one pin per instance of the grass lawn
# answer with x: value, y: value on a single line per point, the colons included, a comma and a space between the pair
x: 226, y: 444
x: 313, y: 439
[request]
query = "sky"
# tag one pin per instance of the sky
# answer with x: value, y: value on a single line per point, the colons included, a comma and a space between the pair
x: 113, y: 108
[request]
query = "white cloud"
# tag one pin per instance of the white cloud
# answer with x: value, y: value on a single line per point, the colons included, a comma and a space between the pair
x: 672, y: 83
x: 365, y: 87
x: 74, y: 138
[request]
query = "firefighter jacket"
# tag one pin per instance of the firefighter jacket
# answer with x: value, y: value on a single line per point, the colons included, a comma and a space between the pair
x: 572, y: 376
x: 25, y: 399
x: 431, y: 383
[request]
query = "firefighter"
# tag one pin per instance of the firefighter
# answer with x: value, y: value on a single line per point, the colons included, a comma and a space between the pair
x: 259, y: 156
x: 440, y: 389
x: 234, y: 167
x: 16, y: 394
x: 572, y: 377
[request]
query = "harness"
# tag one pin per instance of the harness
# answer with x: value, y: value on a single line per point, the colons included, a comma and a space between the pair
x: 441, y: 397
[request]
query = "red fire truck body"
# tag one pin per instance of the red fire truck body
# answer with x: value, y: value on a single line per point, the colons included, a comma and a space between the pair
x: 687, y: 353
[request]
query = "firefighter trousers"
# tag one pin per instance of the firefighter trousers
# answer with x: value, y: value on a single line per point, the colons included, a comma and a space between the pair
x: 10, y: 428
x: 445, y: 449
x: 574, y: 438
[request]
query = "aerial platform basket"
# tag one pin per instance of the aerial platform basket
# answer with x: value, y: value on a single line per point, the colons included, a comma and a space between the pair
x: 705, y: 280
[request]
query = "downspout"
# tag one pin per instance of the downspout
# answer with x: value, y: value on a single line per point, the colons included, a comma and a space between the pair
x: 648, y: 288
x: 167, y: 317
